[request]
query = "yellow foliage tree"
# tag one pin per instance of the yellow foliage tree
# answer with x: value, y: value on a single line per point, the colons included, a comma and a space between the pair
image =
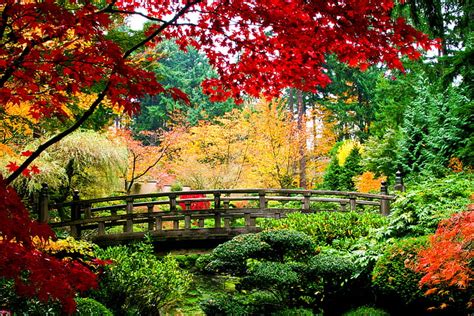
x: 275, y: 145
x: 322, y: 139
x: 257, y: 146
x: 212, y: 155
x: 345, y: 149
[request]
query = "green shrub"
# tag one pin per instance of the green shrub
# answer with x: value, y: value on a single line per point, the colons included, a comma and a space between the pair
x: 418, y: 211
x: 344, y: 281
x: 335, y: 229
x: 90, y: 307
x: 138, y: 281
x: 392, y: 276
x: 187, y: 262
x: 281, y: 269
x: 367, y: 311
x: 272, y: 267
x: 294, y: 312
x: 225, y: 305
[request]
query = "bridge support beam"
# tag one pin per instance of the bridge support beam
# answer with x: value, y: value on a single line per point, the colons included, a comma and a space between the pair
x: 75, y: 230
x: 43, y: 210
x: 217, y: 220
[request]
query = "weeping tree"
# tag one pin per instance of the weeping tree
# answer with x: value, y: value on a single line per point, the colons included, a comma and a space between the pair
x: 91, y: 162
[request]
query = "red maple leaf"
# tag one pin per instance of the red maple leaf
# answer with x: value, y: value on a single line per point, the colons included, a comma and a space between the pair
x: 34, y: 169
x: 12, y: 166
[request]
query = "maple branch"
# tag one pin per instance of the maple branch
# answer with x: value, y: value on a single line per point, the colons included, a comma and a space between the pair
x: 110, y: 10
x: 132, y: 180
x: 162, y: 154
x: 16, y: 64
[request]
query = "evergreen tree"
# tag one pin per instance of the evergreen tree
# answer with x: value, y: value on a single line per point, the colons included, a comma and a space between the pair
x: 186, y: 71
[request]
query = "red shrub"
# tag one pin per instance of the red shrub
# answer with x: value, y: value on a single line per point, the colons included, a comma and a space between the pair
x: 204, y: 205
x: 35, y: 273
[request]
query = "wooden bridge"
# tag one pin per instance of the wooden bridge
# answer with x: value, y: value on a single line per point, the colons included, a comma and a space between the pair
x: 172, y: 216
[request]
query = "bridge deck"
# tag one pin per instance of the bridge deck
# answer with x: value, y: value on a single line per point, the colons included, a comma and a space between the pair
x: 175, y: 216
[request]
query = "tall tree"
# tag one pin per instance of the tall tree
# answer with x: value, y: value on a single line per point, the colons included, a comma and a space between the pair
x: 185, y: 70
x: 301, y: 126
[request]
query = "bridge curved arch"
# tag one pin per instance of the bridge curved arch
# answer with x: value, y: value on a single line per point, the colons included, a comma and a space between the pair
x: 167, y: 216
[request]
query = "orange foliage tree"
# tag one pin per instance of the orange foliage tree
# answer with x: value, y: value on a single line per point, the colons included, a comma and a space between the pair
x: 367, y: 182
x: 447, y: 262
x: 144, y: 160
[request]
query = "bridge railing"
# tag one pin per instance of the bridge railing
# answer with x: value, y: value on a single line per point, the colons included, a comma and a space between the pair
x: 172, y: 214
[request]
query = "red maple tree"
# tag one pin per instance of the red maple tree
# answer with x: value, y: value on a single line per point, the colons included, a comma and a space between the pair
x: 35, y: 273
x: 447, y: 262
x: 57, y: 48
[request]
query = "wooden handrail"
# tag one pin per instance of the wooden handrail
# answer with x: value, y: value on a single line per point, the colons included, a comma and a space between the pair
x: 139, y: 209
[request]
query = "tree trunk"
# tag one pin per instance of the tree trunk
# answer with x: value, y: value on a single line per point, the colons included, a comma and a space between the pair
x: 301, y: 130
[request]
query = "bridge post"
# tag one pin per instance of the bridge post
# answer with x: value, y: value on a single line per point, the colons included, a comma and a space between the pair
x: 172, y: 202
x: 159, y: 223
x: 399, y: 186
x: 306, y: 201
x: 217, y: 200
x: 352, y: 202
x: 43, y: 210
x: 187, y: 220
x: 151, y: 221
x: 129, y: 223
x: 76, y: 214
x: 384, y: 203
x: 262, y: 200
x: 248, y: 220
x: 217, y: 220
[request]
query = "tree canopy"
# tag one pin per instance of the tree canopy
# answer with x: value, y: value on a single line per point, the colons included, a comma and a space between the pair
x: 52, y: 50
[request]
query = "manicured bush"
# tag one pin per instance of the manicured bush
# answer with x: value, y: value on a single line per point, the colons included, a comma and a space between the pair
x: 281, y: 269
x: 393, y: 276
x: 272, y: 267
x: 344, y: 281
x: 335, y: 229
x: 90, y: 307
x: 138, y: 281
